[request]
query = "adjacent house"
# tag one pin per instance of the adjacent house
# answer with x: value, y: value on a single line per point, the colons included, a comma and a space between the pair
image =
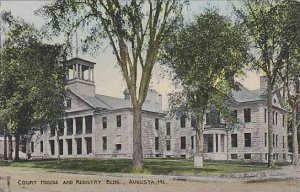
x: 248, y: 141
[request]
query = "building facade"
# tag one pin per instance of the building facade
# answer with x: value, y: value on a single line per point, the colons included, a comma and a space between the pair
x: 102, y: 126
x: 98, y: 125
x: 247, y: 141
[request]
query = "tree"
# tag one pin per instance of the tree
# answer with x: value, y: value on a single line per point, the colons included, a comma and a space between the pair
x: 290, y: 73
x: 205, y: 55
x: 264, y: 23
x: 29, y: 101
x: 134, y: 29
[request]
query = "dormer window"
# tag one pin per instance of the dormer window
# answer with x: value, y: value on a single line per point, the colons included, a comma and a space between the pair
x: 68, y: 102
x: 274, y: 100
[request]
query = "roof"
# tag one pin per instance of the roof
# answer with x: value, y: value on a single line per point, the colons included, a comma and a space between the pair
x: 111, y: 103
x: 242, y: 94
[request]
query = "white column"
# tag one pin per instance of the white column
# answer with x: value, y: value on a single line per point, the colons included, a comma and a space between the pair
x: 219, y: 143
x: 65, y: 150
x: 77, y: 70
x: 83, y: 125
x: 214, y: 142
x: 225, y: 143
x: 74, y: 147
x: 65, y: 126
x: 74, y: 126
x: 94, y: 136
x: 93, y: 77
x: 80, y: 72
x: 74, y: 71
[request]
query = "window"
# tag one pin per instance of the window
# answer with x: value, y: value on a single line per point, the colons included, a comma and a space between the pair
x: 52, y: 131
x: 234, y: 156
x: 79, y: 146
x: 119, y: 121
x: 168, y: 127
x: 182, y: 143
x: 168, y: 145
x: 283, y: 119
x: 182, y: 121
x: 118, y: 147
x: 41, y: 146
x: 283, y: 144
x: 32, y: 147
x: 266, y: 139
x: 273, y: 140
x: 70, y: 148
x: 69, y: 126
x: 52, y: 148
x: 273, y: 117
x: 284, y: 157
x: 156, y: 143
x: 89, y: 147
x: 60, y: 127
x: 247, y: 137
x: 68, y: 103
x: 247, y: 115
x: 235, y: 114
x: 276, y: 140
x: 61, y: 147
x: 234, y: 140
x: 247, y: 156
x: 193, y: 122
x: 192, y: 142
x: 104, y: 122
x: 88, y: 124
x: 207, y: 119
x: 265, y: 116
x: 104, y: 143
x: 156, y: 123
x: 266, y: 156
x: 78, y: 125
x: 276, y: 114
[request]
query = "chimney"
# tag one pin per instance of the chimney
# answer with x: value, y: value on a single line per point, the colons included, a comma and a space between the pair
x: 263, y: 83
x: 126, y: 94
x: 160, y: 101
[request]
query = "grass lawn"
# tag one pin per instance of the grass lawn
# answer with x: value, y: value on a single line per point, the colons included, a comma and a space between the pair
x: 151, y: 166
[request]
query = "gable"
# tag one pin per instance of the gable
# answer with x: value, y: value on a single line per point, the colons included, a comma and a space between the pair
x: 77, y: 104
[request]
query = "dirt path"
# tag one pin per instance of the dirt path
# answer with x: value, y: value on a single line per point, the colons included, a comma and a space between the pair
x: 25, y: 180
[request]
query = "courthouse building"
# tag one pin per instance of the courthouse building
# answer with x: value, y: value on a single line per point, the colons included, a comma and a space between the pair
x: 98, y: 125
x: 101, y: 126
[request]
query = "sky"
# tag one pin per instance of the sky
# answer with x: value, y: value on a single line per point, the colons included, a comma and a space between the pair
x: 108, y: 79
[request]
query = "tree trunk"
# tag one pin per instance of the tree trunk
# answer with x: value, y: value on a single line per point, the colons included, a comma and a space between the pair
x: 198, y: 156
x: 5, y: 147
x: 137, y: 138
x: 10, y: 147
x: 295, y: 160
x: 17, y: 144
x: 57, y: 140
x: 270, y: 124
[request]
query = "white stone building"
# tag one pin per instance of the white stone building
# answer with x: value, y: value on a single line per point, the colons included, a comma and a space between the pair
x: 98, y: 125
x: 247, y: 142
x: 101, y: 126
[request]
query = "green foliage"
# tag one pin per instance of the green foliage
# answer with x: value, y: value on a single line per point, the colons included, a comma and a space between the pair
x: 205, y: 56
x: 31, y: 79
x: 152, y: 166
